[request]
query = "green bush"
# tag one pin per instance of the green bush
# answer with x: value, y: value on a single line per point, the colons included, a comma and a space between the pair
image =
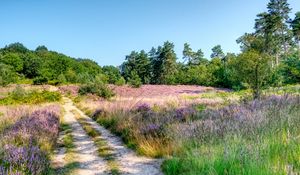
x: 61, y: 79
x: 7, y: 76
x: 135, y: 81
x: 40, y: 80
x: 99, y: 89
x: 120, y: 82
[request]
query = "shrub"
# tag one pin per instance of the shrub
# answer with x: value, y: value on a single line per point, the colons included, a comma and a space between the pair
x: 120, y: 82
x: 7, y: 76
x: 99, y: 89
x: 40, y: 80
x: 135, y: 81
x: 61, y: 79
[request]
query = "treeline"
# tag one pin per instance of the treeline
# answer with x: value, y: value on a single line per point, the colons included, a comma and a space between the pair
x: 269, y: 56
x: 19, y: 64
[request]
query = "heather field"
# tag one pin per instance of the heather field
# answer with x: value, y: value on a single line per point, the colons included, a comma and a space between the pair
x: 29, y: 127
x: 171, y: 129
x: 203, y: 130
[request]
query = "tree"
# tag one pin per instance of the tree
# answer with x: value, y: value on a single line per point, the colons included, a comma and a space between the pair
x: 291, y: 68
x: 273, y: 27
x: 32, y: 66
x: 295, y: 24
x: 253, y: 68
x: 41, y: 49
x: 167, y: 69
x: 143, y: 67
x: 138, y: 62
x: 16, y: 48
x: 155, y: 64
x: 7, y: 75
x: 199, y: 58
x: 113, y: 73
x: 217, y: 52
x: 134, y: 80
x: 14, y: 60
x: 191, y: 57
x: 188, y: 53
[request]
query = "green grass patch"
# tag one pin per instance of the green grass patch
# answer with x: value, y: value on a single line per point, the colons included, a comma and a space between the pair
x: 271, y: 155
x: 20, y: 96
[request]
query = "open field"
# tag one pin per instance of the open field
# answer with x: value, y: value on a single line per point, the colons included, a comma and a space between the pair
x: 199, y: 136
x: 193, y: 129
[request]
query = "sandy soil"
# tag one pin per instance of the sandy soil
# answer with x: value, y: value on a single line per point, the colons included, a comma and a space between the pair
x: 86, y: 152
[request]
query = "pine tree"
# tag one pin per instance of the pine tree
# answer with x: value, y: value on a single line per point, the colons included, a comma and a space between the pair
x: 295, y: 25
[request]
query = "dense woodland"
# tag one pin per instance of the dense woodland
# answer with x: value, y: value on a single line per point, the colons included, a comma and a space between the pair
x: 270, y: 56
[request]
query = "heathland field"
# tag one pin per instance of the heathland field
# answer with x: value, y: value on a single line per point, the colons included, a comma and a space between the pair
x: 210, y: 100
x: 154, y: 129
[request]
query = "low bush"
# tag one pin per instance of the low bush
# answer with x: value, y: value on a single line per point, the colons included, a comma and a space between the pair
x: 135, y: 81
x: 98, y: 89
x: 120, y: 82
x: 20, y: 96
x: 40, y: 80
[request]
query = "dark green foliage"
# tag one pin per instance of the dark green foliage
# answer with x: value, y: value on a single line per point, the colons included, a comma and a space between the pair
x: 13, y: 60
x: 41, y: 49
x: 253, y: 68
x: 193, y: 58
x: 295, y: 24
x: 217, y: 52
x: 138, y: 62
x: 7, y: 75
x: 168, y: 67
x: 113, y: 74
x: 32, y: 65
x: 44, y: 66
x: 15, y: 48
x: 99, y: 89
x: 290, y: 69
x: 40, y: 80
x: 134, y: 80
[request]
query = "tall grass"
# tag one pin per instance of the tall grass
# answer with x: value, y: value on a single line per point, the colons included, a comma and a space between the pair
x: 258, y: 137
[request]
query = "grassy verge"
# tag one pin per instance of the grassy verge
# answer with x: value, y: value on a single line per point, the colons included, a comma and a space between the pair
x: 145, y: 137
x: 104, y: 150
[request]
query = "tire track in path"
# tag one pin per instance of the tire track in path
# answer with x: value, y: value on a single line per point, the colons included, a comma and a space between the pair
x: 129, y: 162
x: 85, y: 150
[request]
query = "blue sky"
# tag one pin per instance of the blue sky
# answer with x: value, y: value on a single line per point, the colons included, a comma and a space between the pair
x: 107, y: 30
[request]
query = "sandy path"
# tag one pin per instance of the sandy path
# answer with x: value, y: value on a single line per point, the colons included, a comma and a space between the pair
x: 85, y: 150
x: 129, y: 162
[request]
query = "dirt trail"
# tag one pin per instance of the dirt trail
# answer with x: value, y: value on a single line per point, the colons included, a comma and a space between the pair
x: 129, y: 163
x: 85, y: 150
